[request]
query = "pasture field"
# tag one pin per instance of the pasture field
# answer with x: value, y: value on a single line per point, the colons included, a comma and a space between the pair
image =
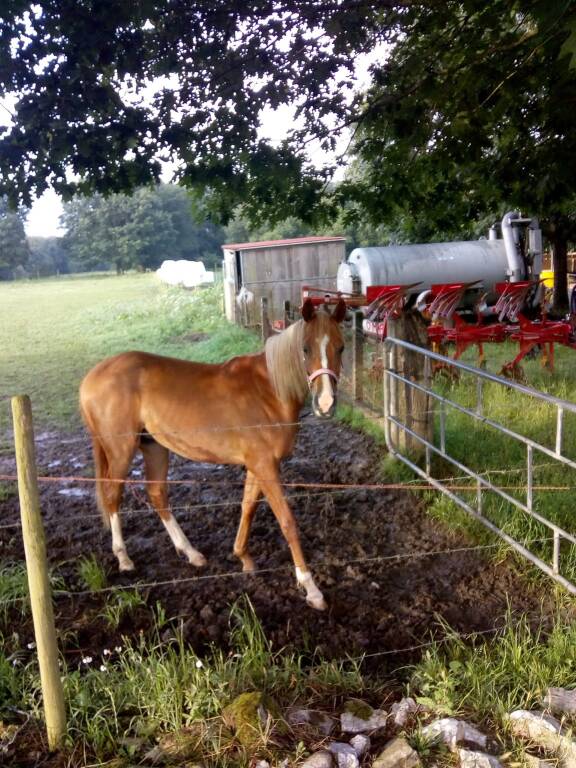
x: 52, y: 331
x: 141, y: 664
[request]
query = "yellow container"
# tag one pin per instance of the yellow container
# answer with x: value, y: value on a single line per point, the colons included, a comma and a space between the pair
x: 547, y: 276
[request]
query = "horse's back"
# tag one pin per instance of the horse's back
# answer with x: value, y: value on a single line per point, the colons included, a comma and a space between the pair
x: 145, y: 382
x: 203, y: 411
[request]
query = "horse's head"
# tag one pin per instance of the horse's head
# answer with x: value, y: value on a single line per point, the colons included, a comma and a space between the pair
x: 322, y: 347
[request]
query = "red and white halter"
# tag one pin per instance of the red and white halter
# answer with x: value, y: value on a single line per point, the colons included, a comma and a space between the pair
x: 320, y: 372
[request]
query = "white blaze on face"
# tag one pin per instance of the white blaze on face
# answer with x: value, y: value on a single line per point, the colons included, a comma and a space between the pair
x: 326, y: 396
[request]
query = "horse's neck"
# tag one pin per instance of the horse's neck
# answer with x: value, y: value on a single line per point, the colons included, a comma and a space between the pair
x: 289, y: 405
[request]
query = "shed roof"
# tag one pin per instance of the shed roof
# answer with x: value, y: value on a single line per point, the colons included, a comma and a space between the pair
x: 279, y: 243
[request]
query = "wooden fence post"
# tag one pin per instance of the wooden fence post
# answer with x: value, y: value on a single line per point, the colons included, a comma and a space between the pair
x: 286, y: 313
x: 357, y: 356
x: 264, y: 319
x: 408, y: 405
x: 37, y: 568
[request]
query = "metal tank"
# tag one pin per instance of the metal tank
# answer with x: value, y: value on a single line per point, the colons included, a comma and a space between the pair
x: 489, y: 261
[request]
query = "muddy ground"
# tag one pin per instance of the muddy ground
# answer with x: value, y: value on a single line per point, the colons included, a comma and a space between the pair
x: 374, y: 606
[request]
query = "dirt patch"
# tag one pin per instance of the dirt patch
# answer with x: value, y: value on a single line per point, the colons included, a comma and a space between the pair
x: 375, y: 604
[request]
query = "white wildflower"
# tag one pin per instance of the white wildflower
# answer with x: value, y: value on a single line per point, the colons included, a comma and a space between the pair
x: 31, y: 646
x: 106, y: 652
x: 87, y: 660
x: 199, y: 664
x: 103, y: 668
x: 118, y: 648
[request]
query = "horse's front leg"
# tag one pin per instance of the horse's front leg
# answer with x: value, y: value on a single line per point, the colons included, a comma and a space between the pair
x: 252, y: 492
x: 269, y: 480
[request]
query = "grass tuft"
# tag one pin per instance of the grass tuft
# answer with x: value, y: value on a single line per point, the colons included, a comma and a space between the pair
x: 92, y: 573
x: 487, y: 679
x: 13, y: 591
x: 120, y: 604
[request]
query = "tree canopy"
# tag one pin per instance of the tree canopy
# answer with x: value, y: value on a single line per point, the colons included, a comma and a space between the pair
x: 80, y: 70
x: 472, y: 114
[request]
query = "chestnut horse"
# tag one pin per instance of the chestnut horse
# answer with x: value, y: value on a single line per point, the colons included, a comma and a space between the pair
x: 244, y: 411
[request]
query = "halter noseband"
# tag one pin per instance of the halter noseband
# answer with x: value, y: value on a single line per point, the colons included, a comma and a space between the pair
x: 320, y: 372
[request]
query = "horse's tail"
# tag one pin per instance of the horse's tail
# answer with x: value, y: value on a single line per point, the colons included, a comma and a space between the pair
x: 101, y: 467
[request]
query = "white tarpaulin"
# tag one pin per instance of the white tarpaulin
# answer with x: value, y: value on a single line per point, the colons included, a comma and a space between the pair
x: 188, y: 274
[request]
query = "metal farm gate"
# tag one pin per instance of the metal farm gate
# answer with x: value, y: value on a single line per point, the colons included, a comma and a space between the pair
x: 505, y: 497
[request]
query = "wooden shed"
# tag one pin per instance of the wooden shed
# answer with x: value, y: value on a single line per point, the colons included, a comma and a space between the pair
x: 277, y: 269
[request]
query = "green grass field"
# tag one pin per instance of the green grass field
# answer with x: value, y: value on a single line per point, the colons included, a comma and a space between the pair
x: 53, y: 331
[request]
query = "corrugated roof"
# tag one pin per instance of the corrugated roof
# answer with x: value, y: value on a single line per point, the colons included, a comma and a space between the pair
x: 279, y: 243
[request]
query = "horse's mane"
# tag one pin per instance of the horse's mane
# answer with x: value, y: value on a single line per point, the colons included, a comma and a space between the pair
x: 285, y: 363
x: 285, y: 359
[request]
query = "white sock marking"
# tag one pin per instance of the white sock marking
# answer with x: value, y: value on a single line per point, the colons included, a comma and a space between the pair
x: 314, y: 597
x: 181, y: 543
x: 118, y: 546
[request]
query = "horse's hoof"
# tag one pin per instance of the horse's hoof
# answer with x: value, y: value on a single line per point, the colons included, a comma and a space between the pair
x: 248, y: 566
x: 198, y: 560
x: 126, y: 566
x: 318, y: 603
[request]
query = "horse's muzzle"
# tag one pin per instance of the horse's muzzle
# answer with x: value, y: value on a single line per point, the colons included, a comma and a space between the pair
x: 319, y: 412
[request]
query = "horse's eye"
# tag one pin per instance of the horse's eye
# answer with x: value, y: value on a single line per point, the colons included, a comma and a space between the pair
x: 341, y: 350
x: 306, y: 350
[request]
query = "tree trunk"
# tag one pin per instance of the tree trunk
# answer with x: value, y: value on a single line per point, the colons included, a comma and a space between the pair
x: 559, y: 244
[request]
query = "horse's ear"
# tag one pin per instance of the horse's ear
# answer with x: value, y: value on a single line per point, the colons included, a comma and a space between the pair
x: 308, y: 310
x: 340, y: 311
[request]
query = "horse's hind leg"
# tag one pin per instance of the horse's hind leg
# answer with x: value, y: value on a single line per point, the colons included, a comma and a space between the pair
x: 110, y: 496
x: 252, y: 492
x: 156, y: 466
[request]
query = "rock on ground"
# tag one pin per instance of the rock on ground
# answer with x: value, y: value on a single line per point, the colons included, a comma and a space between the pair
x: 402, y: 710
x: 561, y: 700
x: 397, y: 754
x: 359, y: 717
x: 546, y: 732
x: 472, y: 759
x: 320, y: 759
x: 345, y: 755
x: 315, y: 719
x: 454, y: 732
x: 361, y: 743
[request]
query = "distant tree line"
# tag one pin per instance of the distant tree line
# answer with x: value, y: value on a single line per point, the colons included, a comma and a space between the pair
x: 118, y: 232
x: 14, y: 247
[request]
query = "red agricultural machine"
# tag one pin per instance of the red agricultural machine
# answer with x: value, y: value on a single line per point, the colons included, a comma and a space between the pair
x: 472, y: 293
